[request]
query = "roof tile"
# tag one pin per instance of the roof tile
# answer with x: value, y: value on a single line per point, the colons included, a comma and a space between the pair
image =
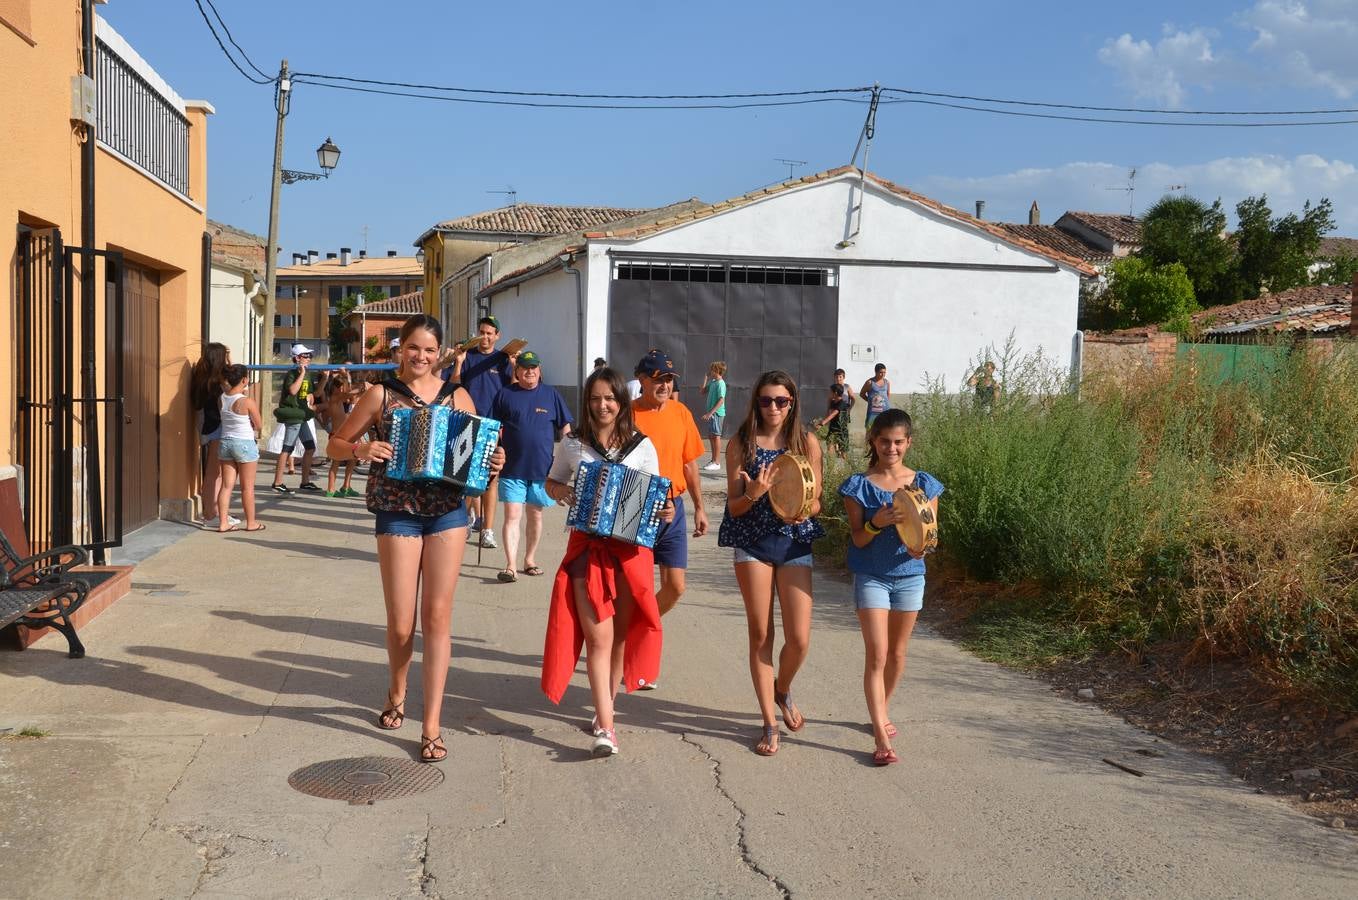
x: 537, y: 219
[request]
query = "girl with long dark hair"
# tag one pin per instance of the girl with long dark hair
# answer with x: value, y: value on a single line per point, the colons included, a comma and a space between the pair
x: 205, y: 391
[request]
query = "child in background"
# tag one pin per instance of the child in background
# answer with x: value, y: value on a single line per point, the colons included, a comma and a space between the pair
x: 888, y: 581
x: 238, y: 450
x: 336, y: 402
x: 836, y: 417
x: 714, y: 387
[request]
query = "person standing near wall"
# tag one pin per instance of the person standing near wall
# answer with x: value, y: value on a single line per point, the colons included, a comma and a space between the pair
x: 484, y: 372
x: 531, y: 414
x: 296, y: 410
x: 715, y: 385
x: 205, y: 389
x: 877, y: 391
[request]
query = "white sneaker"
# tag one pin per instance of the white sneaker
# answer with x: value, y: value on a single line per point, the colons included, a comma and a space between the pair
x: 605, y: 743
x: 712, y: 467
x: 215, y: 522
x: 488, y: 539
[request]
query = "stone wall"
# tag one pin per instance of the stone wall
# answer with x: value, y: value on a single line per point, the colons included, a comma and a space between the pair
x: 1114, y: 354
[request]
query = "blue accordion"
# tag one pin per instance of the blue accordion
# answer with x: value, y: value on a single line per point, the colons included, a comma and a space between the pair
x: 439, y: 443
x: 615, y: 501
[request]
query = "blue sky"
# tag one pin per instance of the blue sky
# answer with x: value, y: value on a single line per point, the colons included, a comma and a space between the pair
x: 408, y: 163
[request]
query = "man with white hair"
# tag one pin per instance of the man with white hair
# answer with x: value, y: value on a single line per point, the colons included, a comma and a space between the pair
x: 295, y: 410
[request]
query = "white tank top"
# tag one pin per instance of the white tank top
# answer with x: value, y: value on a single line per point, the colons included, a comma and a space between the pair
x: 235, y: 425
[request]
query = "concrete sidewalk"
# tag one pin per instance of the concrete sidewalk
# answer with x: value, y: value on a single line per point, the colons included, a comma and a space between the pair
x: 239, y: 659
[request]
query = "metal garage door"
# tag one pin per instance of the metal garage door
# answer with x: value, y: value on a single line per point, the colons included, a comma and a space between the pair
x: 754, y: 318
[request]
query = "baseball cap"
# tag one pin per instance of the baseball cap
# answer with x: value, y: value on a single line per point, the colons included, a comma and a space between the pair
x: 656, y: 363
x: 300, y: 349
x: 489, y: 320
x: 528, y: 359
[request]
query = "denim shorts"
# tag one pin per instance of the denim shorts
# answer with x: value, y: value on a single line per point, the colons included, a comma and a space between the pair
x: 521, y: 490
x: 799, y: 562
x: 404, y: 524
x: 302, y: 430
x: 714, y: 425
x: 903, y: 594
x: 237, y: 450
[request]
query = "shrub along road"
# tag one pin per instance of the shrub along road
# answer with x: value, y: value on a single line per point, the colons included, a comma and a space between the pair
x: 165, y: 769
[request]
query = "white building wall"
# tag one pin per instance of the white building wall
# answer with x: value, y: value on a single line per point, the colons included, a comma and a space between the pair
x: 542, y: 312
x: 231, y: 317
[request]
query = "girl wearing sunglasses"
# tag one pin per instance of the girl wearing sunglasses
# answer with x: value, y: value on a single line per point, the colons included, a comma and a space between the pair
x: 771, y: 553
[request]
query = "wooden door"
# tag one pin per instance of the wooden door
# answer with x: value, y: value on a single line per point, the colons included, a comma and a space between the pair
x: 141, y: 388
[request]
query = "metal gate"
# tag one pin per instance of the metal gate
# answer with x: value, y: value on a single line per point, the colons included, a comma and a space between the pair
x: 752, y: 317
x: 67, y: 499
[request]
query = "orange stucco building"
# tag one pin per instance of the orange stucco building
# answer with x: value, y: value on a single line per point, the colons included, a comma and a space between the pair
x: 133, y: 341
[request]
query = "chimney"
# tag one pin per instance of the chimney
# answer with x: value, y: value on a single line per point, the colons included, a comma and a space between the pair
x: 980, y: 209
x: 331, y: 255
x: 312, y: 256
x: 298, y: 259
x: 391, y: 254
x: 344, y: 256
x: 363, y: 254
x: 1034, y: 214
x: 1353, y: 307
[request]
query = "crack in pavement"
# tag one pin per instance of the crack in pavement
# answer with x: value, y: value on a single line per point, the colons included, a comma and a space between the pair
x: 424, y: 879
x: 155, y: 819
x: 213, y: 847
x: 742, y: 843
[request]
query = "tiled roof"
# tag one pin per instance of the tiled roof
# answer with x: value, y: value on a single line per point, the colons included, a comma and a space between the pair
x: 713, y: 209
x: 537, y: 219
x: 1060, y: 241
x: 358, y: 269
x: 1123, y: 229
x: 235, y: 247
x: 1312, y: 308
x: 400, y: 305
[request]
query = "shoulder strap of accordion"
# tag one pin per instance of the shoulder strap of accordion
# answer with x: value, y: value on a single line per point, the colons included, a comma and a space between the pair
x: 632, y: 443
x: 398, y: 386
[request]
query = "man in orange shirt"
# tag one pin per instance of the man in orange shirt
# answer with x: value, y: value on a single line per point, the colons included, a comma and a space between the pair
x: 671, y: 428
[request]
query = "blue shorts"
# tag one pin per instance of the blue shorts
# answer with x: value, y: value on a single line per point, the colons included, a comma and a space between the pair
x: 903, y: 594
x: 521, y: 490
x: 406, y: 524
x: 295, y: 431
x: 237, y: 450
x: 714, y: 425
x: 671, y: 544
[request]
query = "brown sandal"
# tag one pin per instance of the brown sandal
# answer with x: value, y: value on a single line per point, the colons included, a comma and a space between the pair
x: 768, y: 744
x: 433, y: 749
x: 394, y: 713
x: 785, y: 703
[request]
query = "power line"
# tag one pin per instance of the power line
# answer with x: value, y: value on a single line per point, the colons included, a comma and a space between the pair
x: 573, y: 96
x: 555, y: 105
x: 232, y: 39
x: 1109, y: 121
x: 227, y: 53
x: 1128, y: 109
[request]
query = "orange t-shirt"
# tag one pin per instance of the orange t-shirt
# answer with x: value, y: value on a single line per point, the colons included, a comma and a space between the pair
x: 675, y: 435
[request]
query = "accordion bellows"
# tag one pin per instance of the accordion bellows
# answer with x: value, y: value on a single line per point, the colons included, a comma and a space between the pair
x: 439, y: 443
x: 615, y: 501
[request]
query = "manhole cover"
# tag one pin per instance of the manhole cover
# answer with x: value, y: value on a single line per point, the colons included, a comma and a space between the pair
x: 366, y: 779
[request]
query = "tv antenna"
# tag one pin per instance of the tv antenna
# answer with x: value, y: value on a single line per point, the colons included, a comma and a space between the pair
x: 791, y: 165
x: 1130, y: 190
x: 365, y: 238
x: 509, y: 192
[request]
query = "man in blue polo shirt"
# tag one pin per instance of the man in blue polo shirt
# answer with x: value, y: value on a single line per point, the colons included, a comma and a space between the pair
x: 483, y: 371
x: 532, y: 414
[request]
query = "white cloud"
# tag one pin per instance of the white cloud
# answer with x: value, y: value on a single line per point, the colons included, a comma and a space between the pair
x: 1289, y: 182
x: 1294, y: 43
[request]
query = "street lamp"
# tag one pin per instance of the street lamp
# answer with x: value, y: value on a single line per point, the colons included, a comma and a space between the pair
x: 327, y: 155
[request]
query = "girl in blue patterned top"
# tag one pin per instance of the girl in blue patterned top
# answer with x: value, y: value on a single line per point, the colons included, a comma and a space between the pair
x: 888, y: 580
x: 771, y: 552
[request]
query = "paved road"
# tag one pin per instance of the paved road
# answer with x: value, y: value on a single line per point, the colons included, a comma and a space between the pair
x: 165, y: 774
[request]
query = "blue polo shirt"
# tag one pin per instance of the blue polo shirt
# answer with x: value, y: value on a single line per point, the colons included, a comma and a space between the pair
x: 531, y: 420
x: 483, y: 375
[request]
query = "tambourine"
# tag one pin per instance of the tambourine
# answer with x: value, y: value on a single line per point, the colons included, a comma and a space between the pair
x: 794, y: 486
x: 919, y: 530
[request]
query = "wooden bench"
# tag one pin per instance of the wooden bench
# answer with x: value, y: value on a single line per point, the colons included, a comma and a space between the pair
x: 37, y: 591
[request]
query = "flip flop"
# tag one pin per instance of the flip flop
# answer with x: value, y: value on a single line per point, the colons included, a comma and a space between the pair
x: 533, y: 570
x: 771, y: 741
x: 786, y: 704
x: 884, y: 757
x: 259, y: 526
x: 507, y: 576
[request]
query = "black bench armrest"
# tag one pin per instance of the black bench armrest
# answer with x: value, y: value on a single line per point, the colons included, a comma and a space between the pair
x: 50, y: 565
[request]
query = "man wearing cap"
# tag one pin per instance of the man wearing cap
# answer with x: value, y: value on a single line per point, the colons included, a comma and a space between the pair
x: 295, y: 410
x: 484, y: 372
x: 670, y: 426
x: 531, y: 413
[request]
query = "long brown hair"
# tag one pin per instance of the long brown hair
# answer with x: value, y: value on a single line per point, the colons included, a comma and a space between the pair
x: 793, y: 433
x: 624, y: 427
x: 205, y: 381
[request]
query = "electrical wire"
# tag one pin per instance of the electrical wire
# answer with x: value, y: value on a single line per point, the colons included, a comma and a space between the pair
x: 1128, y: 109
x: 554, y: 105
x: 231, y: 59
x: 1108, y: 121
x: 232, y: 39
x: 508, y: 93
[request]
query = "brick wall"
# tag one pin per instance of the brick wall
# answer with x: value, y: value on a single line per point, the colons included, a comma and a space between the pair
x: 1114, y: 354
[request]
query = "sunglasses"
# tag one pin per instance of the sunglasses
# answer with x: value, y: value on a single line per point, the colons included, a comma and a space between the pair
x: 780, y: 402
x: 304, y: 356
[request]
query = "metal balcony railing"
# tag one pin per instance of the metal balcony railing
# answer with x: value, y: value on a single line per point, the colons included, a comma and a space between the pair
x: 139, y: 123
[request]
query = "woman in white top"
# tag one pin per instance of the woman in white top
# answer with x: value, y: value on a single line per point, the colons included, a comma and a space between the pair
x: 238, y: 449
x: 604, y: 593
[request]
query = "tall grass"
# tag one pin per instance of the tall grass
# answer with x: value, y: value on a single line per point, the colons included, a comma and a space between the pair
x: 1165, y: 504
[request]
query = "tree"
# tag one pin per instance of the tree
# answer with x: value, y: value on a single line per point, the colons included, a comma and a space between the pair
x: 1276, y: 254
x: 1337, y: 269
x: 339, y: 338
x: 1141, y: 294
x: 1184, y: 230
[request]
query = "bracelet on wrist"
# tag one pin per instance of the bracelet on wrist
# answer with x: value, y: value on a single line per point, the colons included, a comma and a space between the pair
x: 871, y: 528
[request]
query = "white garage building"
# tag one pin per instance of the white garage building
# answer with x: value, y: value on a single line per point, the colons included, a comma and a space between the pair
x: 837, y: 270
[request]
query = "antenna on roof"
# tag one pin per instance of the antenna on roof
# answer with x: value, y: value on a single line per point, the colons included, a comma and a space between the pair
x: 791, y: 164
x: 1130, y: 190
x: 365, y: 240
x: 509, y: 192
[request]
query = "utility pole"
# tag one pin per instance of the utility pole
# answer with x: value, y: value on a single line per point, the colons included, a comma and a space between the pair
x: 281, y: 97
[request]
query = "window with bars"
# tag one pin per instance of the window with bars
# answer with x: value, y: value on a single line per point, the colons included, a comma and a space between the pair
x: 655, y: 270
